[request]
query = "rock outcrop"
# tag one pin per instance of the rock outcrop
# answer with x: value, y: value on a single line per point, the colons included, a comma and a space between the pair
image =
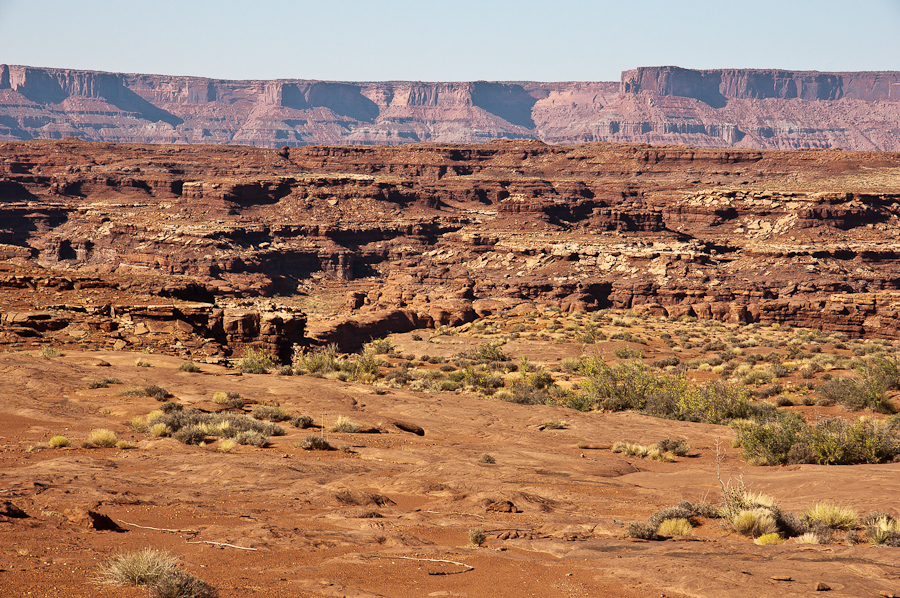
x: 663, y: 105
x: 207, y: 249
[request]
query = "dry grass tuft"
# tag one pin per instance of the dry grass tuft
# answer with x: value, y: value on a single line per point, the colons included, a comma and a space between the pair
x: 675, y: 527
x: 102, y: 438
x: 772, y: 539
x: 833, y: 516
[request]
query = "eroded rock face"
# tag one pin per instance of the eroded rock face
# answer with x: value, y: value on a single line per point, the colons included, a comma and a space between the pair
x: 240, y: 242
x: 711, y: 108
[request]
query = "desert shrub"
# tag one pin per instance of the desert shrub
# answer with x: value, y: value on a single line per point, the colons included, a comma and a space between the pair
x: 641, y: 531
x: 302, y: 421
x: 364, y: 367
x: 157, y: 392
x: 141, y: 363
x: 756, y: 522
x: 216, y: 424
x: 832, y: 516
x: 136, y: 568
x: 179, y: 584
x: 138, y: 424
x: 314, y: 442
x: 553, y: 424
x: 810, y: 538
x: 321, y: 360
x: 122, y: 444
x: 227, y: 445
x: 133, y: 392
x: 477, y: 536
x: 883, y: 531
x: 523, y: 393
x: 256, y: 361
x: 343, y: 424
x: 784, y: 402
x: 170, y: 406
x: 98, y: 384
x: 381, y: 346
x: 758, y: 377
x: 102, y: 438
x: 628, y: 353
x: 154, y: 570
x: 271, y: 413
x: 160, y: 430
x: 486, y: 458
x: 58, y: 442
x: 679, y: 512
x: 570, y: 364
x: 488, y: 352
x: 48, y: 352
x: 620, y: 387
x: 768, y: 443
x: 675, y: 527
x: 772, y: 539
x: 665, y: 362
x: 679, y: 447
x: 252, y: 437
x: 192, y: 434
x: 590, y: 334
x: 189, y: 366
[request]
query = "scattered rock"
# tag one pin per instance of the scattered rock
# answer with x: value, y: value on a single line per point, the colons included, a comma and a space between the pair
x: 91, y: 519
x: 7, y: 509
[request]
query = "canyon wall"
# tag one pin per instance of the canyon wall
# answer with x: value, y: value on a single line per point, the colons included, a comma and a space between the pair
x: 341, y: 244
x: 661, y: 105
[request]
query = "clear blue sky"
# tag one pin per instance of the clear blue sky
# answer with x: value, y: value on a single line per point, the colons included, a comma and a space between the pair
x: 461, y: 40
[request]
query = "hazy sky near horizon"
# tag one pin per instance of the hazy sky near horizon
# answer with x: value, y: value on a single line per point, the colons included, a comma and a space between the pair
x: 465, y: 40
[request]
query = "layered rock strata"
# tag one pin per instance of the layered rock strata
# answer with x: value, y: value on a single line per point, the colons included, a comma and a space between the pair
x: 397, y: 238
x: 772, y: 109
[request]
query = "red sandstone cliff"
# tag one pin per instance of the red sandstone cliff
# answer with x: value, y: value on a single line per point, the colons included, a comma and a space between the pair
x: 660, y: 105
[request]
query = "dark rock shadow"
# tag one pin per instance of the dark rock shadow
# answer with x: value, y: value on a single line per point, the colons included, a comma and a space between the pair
x: 510, y: 102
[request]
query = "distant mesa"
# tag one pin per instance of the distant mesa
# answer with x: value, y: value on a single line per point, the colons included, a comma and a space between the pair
x: 746, y: 108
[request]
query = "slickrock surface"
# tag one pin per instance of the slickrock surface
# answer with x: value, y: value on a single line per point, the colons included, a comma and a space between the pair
x: 334, y: 523
x: 662, y: 105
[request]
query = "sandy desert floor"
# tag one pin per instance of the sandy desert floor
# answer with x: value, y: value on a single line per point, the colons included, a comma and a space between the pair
x: 384, y: 515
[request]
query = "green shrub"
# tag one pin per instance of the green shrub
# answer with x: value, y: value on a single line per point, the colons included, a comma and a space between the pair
x: 256, y: 361
x: 189, y: 366
x: 381, y: 346
x: 486, y: 458
x: 58, y: 442
x: 321, y: 360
